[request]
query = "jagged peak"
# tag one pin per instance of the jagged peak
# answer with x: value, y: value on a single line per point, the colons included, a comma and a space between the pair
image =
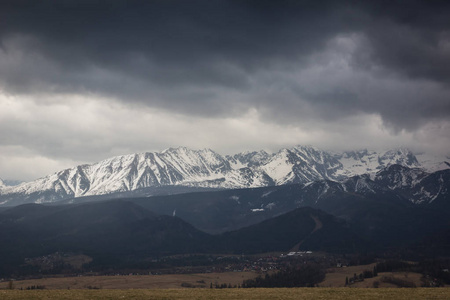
x: 175, y: 149
x: 207, y: 150
x: 250, y: 154
x: 206, y: 168
x: 186, y: 150
x: 284, y: 153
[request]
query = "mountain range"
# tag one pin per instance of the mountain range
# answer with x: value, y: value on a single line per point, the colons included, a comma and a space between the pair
x: 388, y: 203
x: 181, y: 169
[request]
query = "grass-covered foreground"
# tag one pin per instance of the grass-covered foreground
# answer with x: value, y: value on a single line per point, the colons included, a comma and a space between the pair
x: 275, y: 293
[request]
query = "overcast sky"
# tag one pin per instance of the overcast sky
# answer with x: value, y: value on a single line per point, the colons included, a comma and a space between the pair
x: 81, y: 81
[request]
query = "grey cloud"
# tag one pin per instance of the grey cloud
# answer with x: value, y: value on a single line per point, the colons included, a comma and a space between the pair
x: 211, y: 58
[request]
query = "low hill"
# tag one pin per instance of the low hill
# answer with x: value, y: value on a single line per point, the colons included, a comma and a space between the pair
x: 121, y: 234
x: 301, y: 229
x: 115, y: 230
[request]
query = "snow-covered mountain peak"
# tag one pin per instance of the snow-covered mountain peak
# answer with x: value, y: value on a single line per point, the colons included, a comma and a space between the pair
x: 249, y: 158
x: 400, y: 156
x: 183, y: 166
x: 307, y: 148
x: 313, y: 153
x: 415, y: 184
x: 175, y: 149
x: 370, y: 161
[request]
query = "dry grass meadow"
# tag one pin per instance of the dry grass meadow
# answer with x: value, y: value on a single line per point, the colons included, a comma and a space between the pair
x: 276, y: 293
x: 174, y: 287
x: 202, y: 280
x: 335, y: 277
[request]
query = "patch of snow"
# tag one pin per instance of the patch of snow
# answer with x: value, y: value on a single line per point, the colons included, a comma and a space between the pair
x: 279, y: 168
x: 205, y: 168
x: 433, y: 163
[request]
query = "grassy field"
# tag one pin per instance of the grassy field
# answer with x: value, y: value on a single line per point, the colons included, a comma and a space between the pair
x: 136, y: 281
x: 335, y: 277
x: 296, y: 293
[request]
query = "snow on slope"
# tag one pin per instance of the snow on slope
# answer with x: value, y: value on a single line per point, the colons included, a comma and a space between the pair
x: 280, y: 167
x: 433, y: 163
x: 398, y: 177
x: 301, y: 164
x: 204, y: 168
x: 370, y: 162
x: 249, y: 159
x: 128, y: 172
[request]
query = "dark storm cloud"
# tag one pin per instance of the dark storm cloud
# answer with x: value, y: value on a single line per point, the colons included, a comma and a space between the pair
x: 219, y: 57
x: 411, y: 37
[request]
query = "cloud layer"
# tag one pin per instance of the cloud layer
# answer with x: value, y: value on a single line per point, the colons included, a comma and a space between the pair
x: 83, y: 80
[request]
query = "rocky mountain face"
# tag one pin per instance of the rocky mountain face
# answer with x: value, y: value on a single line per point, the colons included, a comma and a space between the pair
x: 365, y: 161
x: 207, y: 169
x: 417, y: 186
x: 383, y: 207
x: 412, y: 185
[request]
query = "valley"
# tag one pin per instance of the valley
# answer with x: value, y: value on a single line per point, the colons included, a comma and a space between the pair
x: 171, y: 231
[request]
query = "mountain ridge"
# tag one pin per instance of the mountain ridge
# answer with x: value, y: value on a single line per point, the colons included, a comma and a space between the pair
x: 204, y: 169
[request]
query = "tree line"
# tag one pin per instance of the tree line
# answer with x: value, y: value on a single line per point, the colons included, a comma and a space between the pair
x: 307, y: 275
